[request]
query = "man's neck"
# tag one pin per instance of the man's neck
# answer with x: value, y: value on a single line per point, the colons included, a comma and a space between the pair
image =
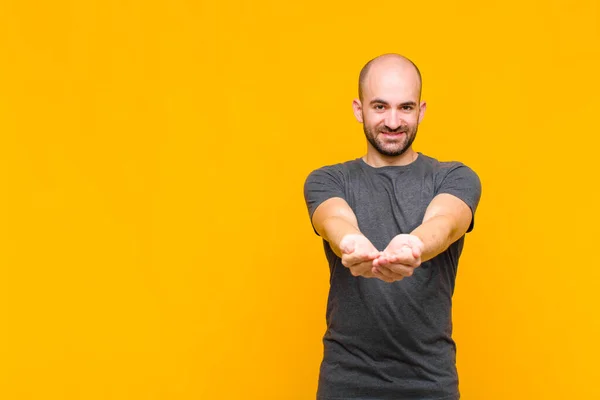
x: 375, y: 159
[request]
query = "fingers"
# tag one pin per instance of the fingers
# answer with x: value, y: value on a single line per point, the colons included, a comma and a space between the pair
x: 359, y: 262
x: 407, y: 248
x: 382, y: 259
x: 399, y: 259
x: 368, y: 274
x: 406, y: 256
x: 358, y: 256
x: 385, y: 270
x: 395, y: 263
x: 354, y: 258
x: 399, y: 269
x: 361, y: 268
x: 395, y: 267
x: 385, y: 274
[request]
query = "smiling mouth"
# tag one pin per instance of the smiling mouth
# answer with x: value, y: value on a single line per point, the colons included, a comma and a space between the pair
x: 393, y: 133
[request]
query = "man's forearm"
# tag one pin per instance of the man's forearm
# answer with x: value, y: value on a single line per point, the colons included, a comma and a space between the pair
x: 334, y: 228
x: 437, y: 234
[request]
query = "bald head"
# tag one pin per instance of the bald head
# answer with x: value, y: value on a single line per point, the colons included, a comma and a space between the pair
x: 388, y: 64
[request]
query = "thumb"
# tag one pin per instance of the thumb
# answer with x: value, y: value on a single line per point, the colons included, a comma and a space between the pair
x: 416, y: 251
x: 347, y: 245
x: 417, y: 246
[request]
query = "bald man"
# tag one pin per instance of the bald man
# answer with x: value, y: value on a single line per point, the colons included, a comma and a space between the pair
x: 393, y: 224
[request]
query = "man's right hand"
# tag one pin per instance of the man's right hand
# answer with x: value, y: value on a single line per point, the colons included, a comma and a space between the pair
x: 358, y: 254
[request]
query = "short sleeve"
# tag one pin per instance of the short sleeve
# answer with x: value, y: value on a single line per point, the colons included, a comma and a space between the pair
x: 320, y: 185
x: 462, y: 182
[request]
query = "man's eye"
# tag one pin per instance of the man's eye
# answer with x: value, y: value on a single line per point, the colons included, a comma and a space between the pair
x: 379, y: 107
x: 407, y: 108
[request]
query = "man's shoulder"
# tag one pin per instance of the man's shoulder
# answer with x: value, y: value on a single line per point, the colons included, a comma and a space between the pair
x: 442, y: 166
x: 454, y: 174
x: 340, y: 167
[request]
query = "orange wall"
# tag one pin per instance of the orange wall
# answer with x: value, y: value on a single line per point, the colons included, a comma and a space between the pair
x: 155, y: 242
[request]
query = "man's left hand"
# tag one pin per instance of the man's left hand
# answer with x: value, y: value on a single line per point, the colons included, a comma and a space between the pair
x: 399, y: 259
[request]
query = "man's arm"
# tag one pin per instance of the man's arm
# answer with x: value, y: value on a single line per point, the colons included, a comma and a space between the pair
x: 446, y: 220
x: 333, y: 219
x: 335, y: 222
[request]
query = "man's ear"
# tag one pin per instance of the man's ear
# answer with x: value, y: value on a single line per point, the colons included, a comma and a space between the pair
x: 422, y: 109
x: 357, y: 107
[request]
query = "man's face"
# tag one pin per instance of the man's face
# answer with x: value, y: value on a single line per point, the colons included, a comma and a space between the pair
x: 390, y: 109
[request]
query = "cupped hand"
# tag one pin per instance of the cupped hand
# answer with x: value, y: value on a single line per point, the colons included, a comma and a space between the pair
x: 399, y: 259
x: 358, y: 254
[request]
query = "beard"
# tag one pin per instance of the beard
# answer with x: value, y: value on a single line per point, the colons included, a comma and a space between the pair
x: 391, y: 148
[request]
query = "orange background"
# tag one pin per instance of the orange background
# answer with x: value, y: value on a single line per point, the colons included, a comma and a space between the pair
x: 154, y: 238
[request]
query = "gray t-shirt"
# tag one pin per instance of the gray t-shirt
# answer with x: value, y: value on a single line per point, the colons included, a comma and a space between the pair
x: 391, y: 340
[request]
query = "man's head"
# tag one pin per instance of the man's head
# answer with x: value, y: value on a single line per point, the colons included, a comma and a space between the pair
x: 389, y: 103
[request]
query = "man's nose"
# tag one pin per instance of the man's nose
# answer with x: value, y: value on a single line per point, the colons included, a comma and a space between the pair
x: 393, y: 120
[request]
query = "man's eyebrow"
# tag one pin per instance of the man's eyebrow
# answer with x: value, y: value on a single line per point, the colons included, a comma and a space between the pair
x: 380, y: 101
x: 374, y: 101
x: 409, y: 103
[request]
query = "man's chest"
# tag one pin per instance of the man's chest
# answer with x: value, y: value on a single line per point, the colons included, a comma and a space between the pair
x: 385, y: 207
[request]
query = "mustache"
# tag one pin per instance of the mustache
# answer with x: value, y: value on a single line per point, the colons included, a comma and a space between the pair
x: 399, y: 129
